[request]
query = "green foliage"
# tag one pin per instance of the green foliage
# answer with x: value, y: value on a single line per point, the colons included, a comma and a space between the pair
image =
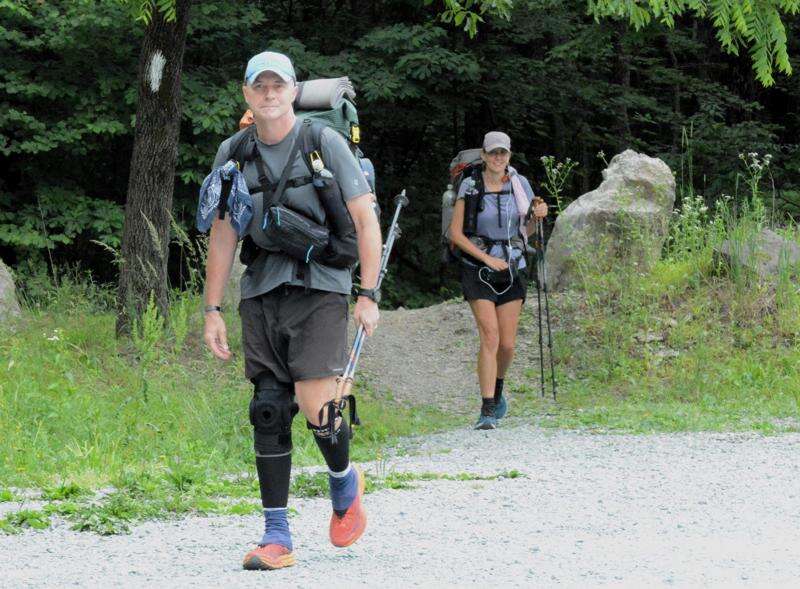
x: 63, y: 491
x: 142, y: 10
x: 17, y: 521
x: 758, y: 25
x: 59, y: 216
x: 556, y: 176
x: 461, y: 13
x: 558, y: 82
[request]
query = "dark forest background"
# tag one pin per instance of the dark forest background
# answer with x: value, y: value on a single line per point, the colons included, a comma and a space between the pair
x: 558, y: 82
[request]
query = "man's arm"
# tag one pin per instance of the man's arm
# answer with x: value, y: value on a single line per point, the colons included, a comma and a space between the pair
x: 221, y: 249
x: 370, y: 244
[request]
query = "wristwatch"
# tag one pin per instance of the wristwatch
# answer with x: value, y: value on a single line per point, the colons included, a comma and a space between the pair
x: 212, y: 308
x: 374, y: 294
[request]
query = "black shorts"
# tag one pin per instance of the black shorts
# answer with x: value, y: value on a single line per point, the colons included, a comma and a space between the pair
x: 294, y: 333
x: 473, y: 288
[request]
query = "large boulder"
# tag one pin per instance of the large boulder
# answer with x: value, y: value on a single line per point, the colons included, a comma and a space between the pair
x: 765, y: 254
x: 624, y: 220
x: 9, y: 306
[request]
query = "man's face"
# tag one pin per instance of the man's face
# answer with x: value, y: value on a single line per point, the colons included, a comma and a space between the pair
x: 269, y: 97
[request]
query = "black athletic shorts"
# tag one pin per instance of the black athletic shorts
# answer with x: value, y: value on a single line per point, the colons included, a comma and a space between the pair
x: 473, y: 288
x: 294, y: 333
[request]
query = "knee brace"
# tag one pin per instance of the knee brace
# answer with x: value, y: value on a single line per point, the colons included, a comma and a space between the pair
x: 272, y: 410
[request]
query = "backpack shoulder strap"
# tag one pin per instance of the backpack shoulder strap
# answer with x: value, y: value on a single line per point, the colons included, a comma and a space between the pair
x: 240, y: 149
x: 312, y: 143
x: 477, y: 176
x: 277, y: 197
x: 242, y: 144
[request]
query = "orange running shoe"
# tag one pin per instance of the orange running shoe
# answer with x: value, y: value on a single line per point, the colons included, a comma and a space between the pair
x: 348, y: 528
x: 268, y: 557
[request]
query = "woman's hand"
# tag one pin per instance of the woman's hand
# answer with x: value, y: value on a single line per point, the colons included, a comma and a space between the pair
x: 496, y: 263
x: 539, y: 208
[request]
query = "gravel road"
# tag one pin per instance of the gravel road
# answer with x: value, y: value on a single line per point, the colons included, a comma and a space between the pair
x: 686, y: 510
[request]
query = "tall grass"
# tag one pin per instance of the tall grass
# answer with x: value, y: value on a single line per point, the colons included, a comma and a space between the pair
x: 77, y: 405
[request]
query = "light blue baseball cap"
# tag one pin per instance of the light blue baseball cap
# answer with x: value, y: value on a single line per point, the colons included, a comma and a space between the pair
x: 269, y: 61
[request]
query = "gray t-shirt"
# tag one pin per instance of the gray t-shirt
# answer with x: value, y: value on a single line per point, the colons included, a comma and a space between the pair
x: 275, y: 268
x: 499, y: 219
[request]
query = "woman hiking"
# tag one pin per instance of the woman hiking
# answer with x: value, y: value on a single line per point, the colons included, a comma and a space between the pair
x: 493, y: 215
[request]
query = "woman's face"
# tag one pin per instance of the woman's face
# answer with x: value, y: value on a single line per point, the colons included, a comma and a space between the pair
x: 496, y: 160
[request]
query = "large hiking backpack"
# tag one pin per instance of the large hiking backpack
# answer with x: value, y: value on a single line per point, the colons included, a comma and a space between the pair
x: 467, y: 164
x: 341, y: 116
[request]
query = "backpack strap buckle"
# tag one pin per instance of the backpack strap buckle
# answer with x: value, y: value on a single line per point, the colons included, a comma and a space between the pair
x: 355, y: 133
x: 317, y: 165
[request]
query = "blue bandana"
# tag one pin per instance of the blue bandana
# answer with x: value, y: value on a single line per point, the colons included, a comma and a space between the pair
x: 240, y: 203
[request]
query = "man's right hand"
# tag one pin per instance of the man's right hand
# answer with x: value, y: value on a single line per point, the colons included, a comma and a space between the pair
x: 496, y: 263
x: 216, y: 336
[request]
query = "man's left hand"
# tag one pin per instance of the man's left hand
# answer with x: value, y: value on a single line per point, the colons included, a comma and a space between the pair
x: 366, y: 313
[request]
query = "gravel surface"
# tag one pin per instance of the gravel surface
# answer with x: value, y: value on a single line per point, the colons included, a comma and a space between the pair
x: 438, y: 366
x: 686, y: 510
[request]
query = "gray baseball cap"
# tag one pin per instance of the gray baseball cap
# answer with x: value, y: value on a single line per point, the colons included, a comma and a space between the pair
x: 269, y: 61
x: 496, y: 140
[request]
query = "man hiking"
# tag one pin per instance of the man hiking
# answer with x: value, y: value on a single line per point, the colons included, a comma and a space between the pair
x: 294, y: 309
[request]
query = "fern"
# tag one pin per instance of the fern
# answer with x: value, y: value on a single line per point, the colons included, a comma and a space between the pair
x: 755, y: 24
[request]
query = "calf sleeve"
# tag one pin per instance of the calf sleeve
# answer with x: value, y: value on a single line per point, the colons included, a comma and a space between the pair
x: 337, y: 456
x: 273, y: 479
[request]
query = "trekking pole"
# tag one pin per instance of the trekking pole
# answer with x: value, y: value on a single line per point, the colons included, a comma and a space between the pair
x: 539, y: 309
x: 344, y: 383
x: 537, y: 248
x: 540, y: 231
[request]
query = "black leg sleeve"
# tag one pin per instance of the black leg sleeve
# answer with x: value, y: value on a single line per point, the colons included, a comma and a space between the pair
x: 337, y: 456
x: 273, y: 479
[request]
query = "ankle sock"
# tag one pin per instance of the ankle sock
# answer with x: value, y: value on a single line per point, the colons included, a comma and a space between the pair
x: 276, y: 528
x: 488, y: 405
x: 344, y: 488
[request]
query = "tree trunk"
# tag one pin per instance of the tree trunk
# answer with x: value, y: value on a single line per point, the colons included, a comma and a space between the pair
x: 623, y: 76
x: 145, y: 237
x: 676, y: 97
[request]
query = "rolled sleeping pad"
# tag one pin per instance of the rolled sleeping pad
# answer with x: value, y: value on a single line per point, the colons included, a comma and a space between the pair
x: 323, y: 94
